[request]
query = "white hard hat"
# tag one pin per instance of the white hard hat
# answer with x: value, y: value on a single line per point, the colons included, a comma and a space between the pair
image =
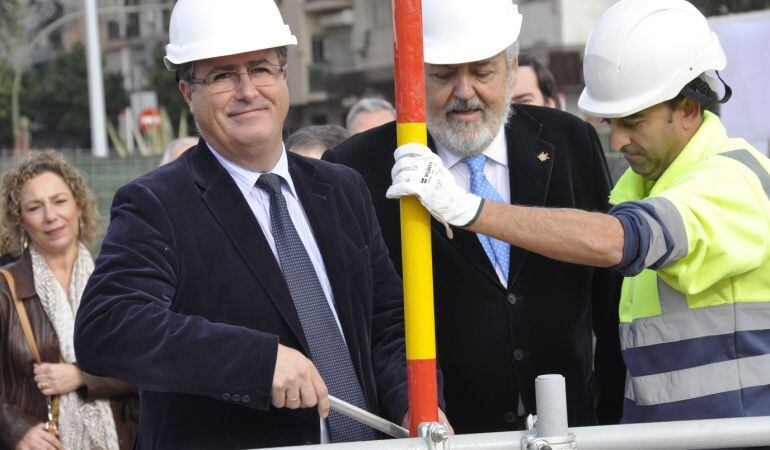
x: 463, y: 31
x: 202, y: 29
x: 643, y: 52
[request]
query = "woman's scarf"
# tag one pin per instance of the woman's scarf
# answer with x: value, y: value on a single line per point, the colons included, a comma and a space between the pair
x: 82, y: 424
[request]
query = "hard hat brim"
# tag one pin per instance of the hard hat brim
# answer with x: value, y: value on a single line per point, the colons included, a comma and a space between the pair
x: 174, y: 58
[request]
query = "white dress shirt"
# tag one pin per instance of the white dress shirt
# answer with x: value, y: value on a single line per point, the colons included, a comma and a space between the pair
x: 495, y: 169
x: 259, y: 202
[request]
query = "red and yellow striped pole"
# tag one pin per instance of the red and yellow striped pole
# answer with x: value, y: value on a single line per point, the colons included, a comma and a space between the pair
x: 415, y: 221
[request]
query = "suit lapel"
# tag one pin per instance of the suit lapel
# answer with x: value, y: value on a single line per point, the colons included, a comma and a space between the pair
x: 530, y: 161
x: 317, y: 200
x: 225, y: 201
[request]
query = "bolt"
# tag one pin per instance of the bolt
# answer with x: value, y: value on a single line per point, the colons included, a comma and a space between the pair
x: 540, y: 444
x: 439, y: 433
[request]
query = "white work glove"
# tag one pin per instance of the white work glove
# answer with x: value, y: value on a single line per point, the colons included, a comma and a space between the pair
x: 421, y: 173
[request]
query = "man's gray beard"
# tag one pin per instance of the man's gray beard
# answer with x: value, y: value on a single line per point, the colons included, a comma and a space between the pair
x: 468, y: 138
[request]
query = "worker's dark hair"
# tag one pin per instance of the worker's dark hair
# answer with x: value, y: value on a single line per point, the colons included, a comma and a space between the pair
x: 699, y: 91
x: 545, y: 80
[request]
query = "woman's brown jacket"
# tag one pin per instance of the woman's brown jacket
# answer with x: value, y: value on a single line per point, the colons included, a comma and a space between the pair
x: 21, y: 404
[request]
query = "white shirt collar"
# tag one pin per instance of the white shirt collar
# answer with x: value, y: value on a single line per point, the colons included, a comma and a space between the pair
x: 496, y: 151
x: 247, y: 178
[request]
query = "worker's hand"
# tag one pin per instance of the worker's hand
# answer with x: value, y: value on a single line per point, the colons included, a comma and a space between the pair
x: 297, y: 383
x: 420, y: 172
x: 37, y: 438
x: 58, y: 378
x: 441, y: 419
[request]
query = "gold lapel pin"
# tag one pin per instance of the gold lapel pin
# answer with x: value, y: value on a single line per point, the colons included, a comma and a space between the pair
x: 543, y: 157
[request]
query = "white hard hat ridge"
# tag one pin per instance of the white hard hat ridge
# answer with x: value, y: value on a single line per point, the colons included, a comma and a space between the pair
x: 463, y: 31
x: 643, y: 52
x: 202, y: 29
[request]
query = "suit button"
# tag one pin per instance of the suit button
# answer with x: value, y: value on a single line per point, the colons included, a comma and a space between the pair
x: 245, y: 398
x: 226, y: 397
x: 510, y: 417
x: 518, y: 355
x: 236, y: 397
x: 512, y: 298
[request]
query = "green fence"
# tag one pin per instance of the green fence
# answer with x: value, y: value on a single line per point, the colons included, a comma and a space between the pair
x: 103, y: 175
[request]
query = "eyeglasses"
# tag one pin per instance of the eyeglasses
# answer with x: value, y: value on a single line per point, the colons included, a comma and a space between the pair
x: 264, y: 74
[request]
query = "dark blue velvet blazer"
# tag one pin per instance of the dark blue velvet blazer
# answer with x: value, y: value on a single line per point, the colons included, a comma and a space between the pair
x: 188, y: 302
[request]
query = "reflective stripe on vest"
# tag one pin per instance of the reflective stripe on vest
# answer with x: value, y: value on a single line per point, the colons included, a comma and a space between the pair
x: 668, y: 219
x: 686, y: 354
x: 689, y: 353
x: 747, y: 159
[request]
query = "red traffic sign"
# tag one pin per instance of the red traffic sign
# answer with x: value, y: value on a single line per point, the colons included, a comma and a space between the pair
x: 150, y: 119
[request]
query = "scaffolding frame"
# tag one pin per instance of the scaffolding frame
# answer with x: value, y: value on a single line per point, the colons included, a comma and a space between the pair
x: 549, y: 432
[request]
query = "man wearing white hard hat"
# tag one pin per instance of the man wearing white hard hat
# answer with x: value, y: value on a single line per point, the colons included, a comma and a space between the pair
x: 240, y: 285
x: 503, y: 315
x: 690, y: 229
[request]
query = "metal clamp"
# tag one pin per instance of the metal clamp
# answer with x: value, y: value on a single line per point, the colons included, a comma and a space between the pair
x: 436, y: 435
x: 531, y: 441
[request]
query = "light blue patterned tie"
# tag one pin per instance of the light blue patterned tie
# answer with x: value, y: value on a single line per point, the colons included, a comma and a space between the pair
x: 498, y: 252
x: 327, y: 347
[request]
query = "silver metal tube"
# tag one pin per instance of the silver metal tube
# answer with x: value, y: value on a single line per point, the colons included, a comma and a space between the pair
x: 95, y: 83
x: 686, y: 435
x: 392, y: 444
x: 367, y: 418
x: 691, y: 435
x: 551, y: 397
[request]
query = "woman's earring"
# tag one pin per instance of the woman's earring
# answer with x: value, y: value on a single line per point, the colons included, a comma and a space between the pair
x: 24, y: 241
x: 80, y: 227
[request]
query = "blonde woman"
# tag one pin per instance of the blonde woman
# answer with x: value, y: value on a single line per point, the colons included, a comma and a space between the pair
x: 49, y: 220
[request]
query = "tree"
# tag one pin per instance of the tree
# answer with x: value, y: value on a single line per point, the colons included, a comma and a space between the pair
x: 164, y: 83
x: 10, y: 24
x: 56, y: 96
x: 6, y: 84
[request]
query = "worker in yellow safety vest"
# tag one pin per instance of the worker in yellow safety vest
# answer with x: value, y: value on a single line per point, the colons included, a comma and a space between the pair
x: 690, y: 228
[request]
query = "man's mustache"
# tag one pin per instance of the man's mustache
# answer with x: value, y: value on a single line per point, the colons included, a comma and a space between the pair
x: 464, y: 105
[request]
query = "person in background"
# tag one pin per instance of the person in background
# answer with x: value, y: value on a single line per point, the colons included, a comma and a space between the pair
x: 175, y: 148
x: 369, y: 113
x: 535, y: 84
x: 49, y: 220
x: 503, y: 314
x: 690, y: 228
x: 312, y: 141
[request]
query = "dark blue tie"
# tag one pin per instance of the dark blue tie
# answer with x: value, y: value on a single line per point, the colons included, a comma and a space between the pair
x: 498, y: 252
x: 327, y: 346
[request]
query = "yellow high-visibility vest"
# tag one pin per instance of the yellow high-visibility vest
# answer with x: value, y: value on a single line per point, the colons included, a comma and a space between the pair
x: 695, y: 332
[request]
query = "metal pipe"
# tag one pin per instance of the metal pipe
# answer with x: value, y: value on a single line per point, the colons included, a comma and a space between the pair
x: 685, y: 435
x: 551, y: 396
x: 97, y: 108
x: 682, y: 435
x: 415, y: 221
x: 367, y: 418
